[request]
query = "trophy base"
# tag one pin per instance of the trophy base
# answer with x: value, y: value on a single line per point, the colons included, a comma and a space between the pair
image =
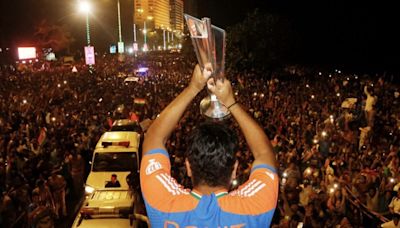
x: 213, y: 109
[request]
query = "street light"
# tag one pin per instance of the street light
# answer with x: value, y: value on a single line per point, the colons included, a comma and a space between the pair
x: 120, y: 43
x: 85, y: 7
x: 149, y: 18
x: 144, y: 36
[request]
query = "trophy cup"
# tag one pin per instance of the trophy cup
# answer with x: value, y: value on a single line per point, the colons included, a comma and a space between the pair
x: 209, y: 45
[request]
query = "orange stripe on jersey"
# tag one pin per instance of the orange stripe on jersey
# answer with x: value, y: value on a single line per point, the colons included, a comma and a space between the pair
x: 258, y: 195
x: 160, y: 190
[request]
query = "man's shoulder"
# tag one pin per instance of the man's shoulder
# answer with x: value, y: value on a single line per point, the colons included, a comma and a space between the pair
x: 153, y: 161
x: 257, y: 196
x: 110, y: 184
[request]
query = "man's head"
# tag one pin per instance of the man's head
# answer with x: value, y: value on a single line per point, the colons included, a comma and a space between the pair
x: 40, y: 183
x: 372, y: 192
x: 113, y: 178
x: 210, y: 157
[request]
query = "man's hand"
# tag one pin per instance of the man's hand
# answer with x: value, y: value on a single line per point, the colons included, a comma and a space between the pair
x: 223, y: 90
x: 199, y: 78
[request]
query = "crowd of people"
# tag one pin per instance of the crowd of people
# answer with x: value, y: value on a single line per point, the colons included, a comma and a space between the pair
x: 336, y: 136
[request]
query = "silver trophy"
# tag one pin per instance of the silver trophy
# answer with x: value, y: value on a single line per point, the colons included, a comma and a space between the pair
x: 209, y: 45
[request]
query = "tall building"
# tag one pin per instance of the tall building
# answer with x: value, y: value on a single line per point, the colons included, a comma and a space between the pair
x: 176, y: 15
x: 156, y: 13
x: 160, y: 12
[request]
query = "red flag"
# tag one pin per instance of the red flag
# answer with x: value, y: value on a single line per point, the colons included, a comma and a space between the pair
x: 134, y: 117
x: 42, y: 136
x: 110, y: 122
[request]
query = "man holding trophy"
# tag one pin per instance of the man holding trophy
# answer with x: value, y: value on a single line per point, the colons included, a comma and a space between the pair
x: 210, y: 156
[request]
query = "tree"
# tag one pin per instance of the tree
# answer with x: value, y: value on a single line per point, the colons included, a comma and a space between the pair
x: 260, y: 42
x: 52, y: 36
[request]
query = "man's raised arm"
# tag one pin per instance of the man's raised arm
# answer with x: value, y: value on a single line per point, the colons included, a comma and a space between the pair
x: 258, y: 142
x: 161, y: 128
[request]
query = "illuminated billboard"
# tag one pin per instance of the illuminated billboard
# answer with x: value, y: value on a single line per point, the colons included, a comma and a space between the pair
x: 113, y: 49
x: 26, y: 53
x: 89, y: 55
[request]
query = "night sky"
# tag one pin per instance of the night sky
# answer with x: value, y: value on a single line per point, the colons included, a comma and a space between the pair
x: 329, y: 31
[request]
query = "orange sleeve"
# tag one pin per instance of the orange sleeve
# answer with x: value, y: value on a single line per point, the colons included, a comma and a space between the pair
x: 160, y: 190
x: 258, y: 195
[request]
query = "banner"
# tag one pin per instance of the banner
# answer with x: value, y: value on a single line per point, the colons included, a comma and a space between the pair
x: 120, y: 47
x: 135, y: 47
x: 89, y: 55
x: 113, y: 49
x: 26, y: 53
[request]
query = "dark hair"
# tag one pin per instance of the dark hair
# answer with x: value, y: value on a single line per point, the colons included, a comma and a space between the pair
x: 114, y: 175
x: 211, y: 154
x: 40, y: 182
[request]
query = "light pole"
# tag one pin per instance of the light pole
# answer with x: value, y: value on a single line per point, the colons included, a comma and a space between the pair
x: 144, y: 36
x: 84, y: 7
x: 119, y: 22
x: 145, y: 31
x: 135, y: 46
x: 134, y: 33
x: 120, y: 43
x: 164, y: 44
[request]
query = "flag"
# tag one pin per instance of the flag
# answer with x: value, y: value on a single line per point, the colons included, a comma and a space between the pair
x: 139, y: 101
x: 42, y: 136
x: 134, y: 117
x: 110, y: 122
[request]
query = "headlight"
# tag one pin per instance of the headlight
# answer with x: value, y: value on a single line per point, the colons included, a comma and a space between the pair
x: 89, y: 189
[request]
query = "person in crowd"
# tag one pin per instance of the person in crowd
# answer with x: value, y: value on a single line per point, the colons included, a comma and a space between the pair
x: 369, y: 106
x: 372, y: 198
x: 294, y: 107
x: 394, y: 205
x: 113, y: 183
x: 76, y: 170
x: 57, y: 185
x: 45, y: 196
x: 7, y: 210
